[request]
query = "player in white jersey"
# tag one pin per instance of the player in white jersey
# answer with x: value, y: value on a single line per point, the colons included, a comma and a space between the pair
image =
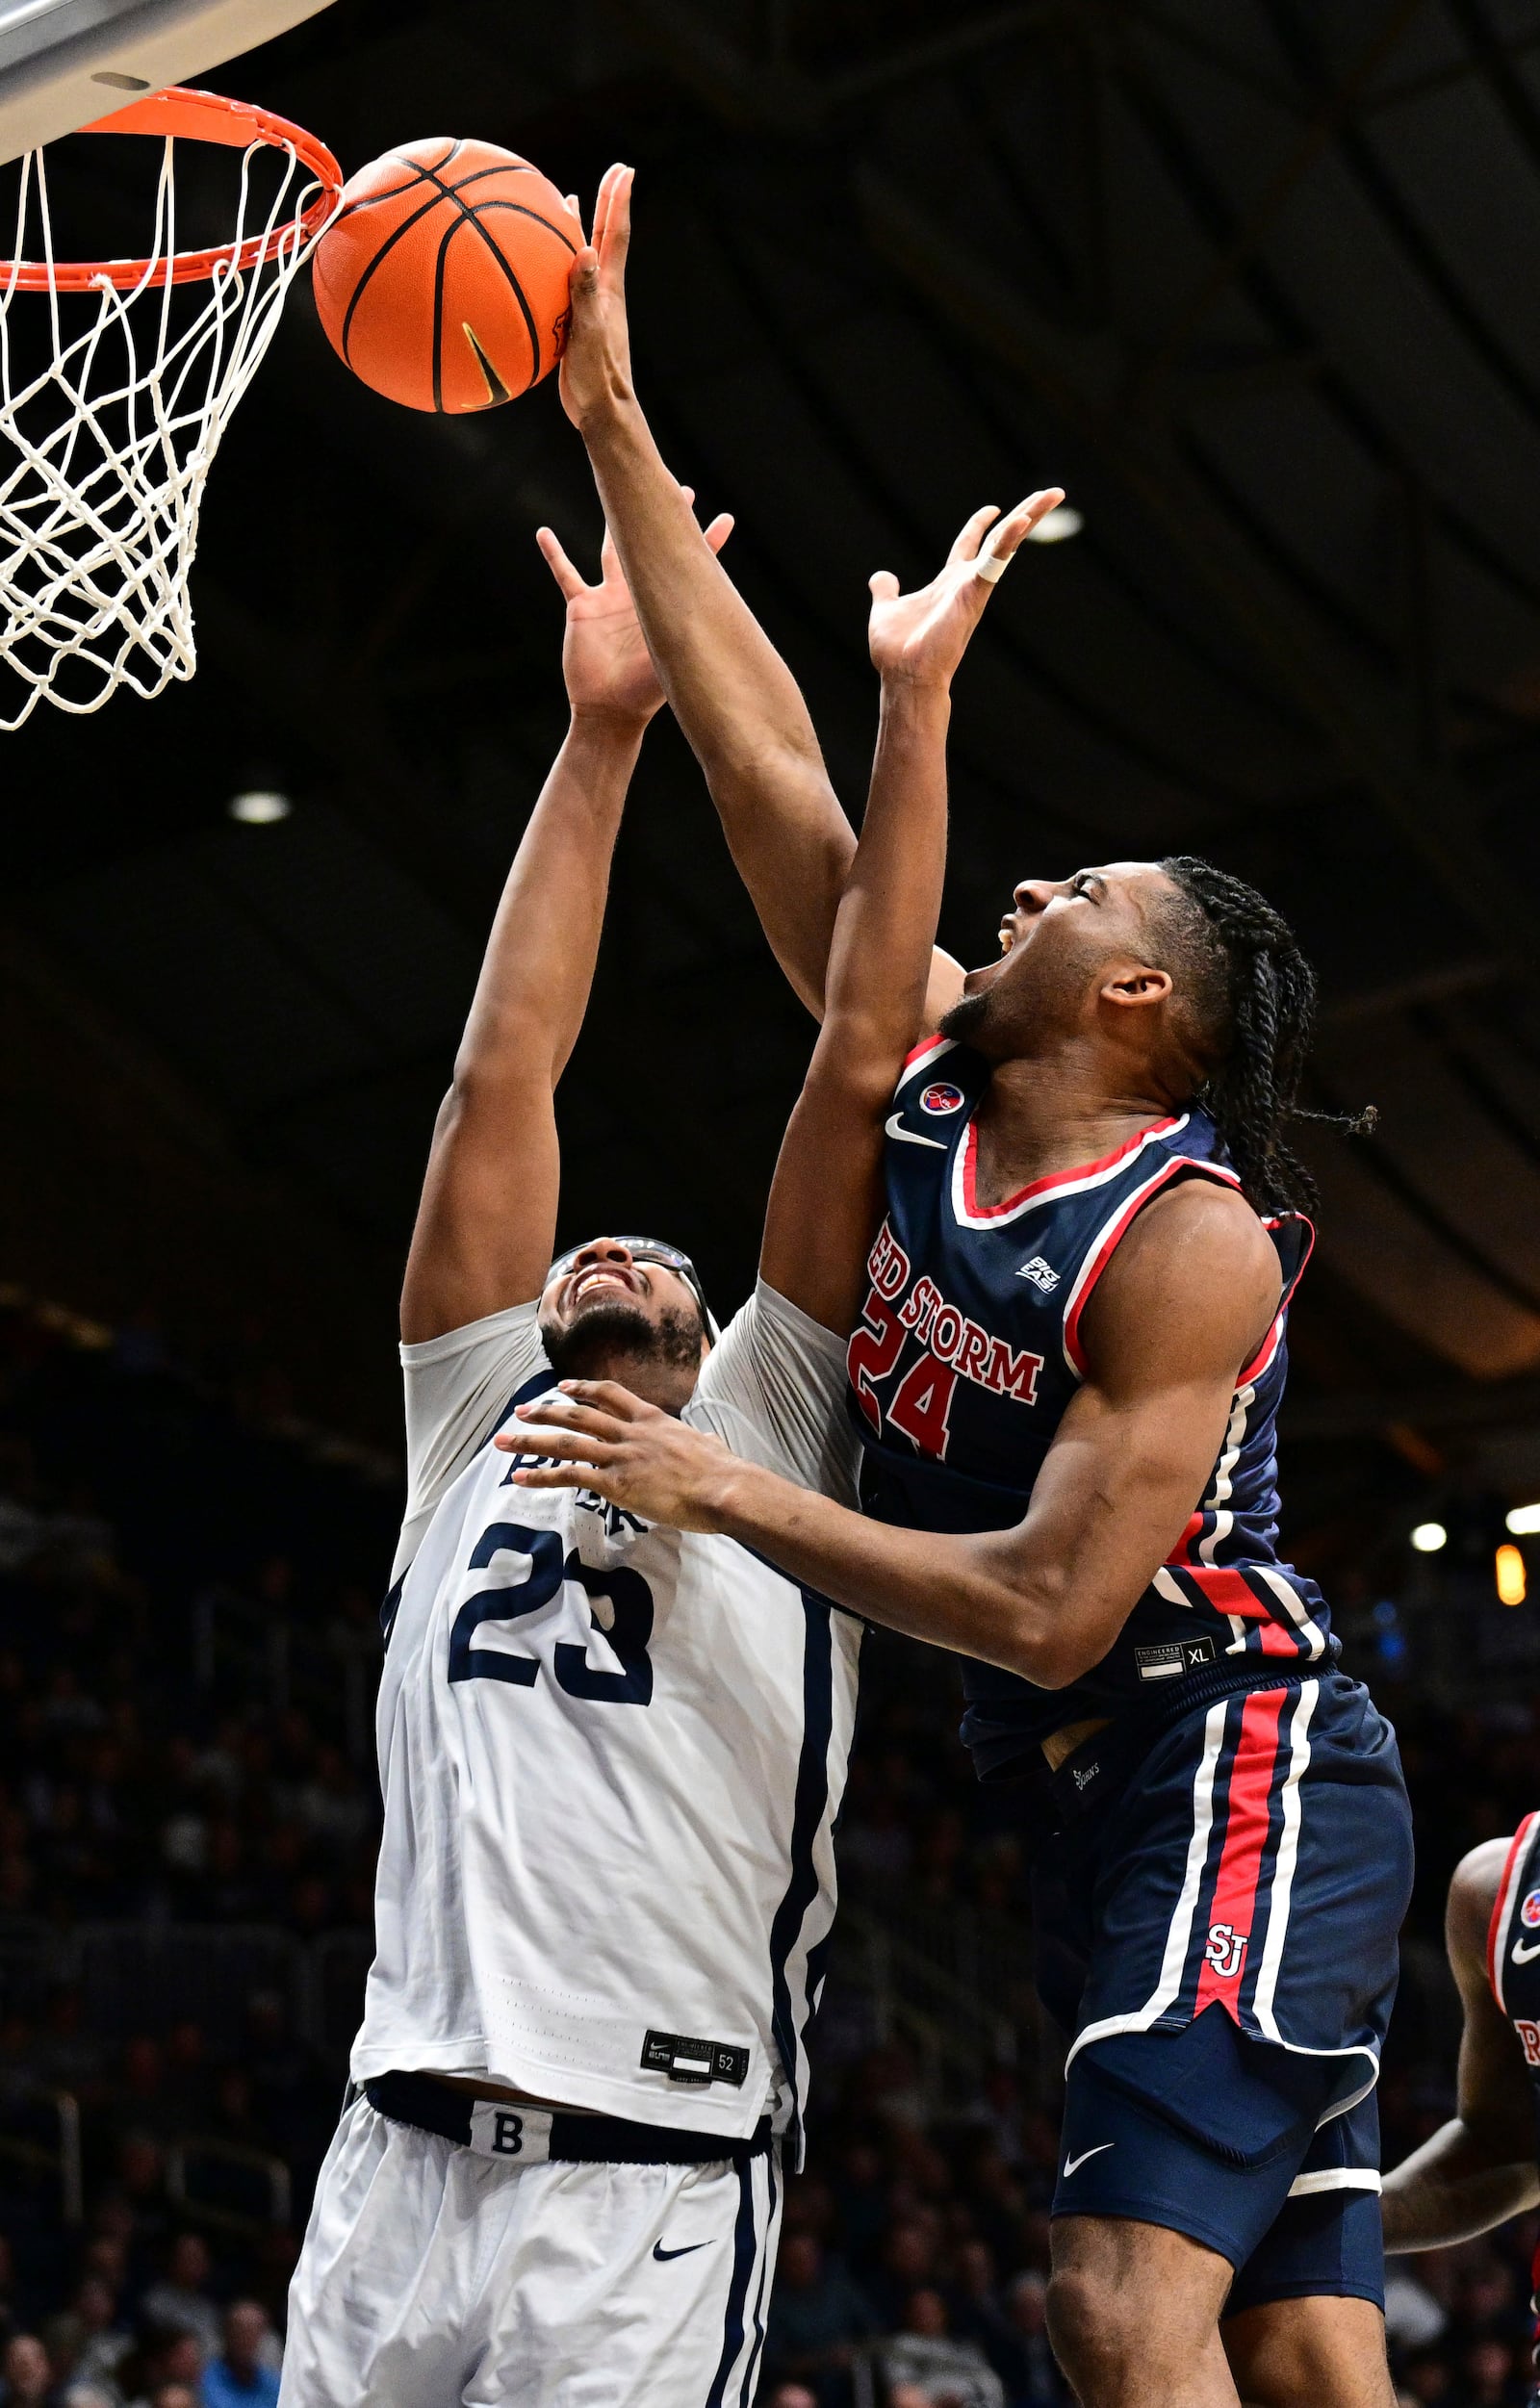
x: 610, y: 1755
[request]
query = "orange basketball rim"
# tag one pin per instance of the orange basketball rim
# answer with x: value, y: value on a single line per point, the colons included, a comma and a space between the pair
x: 185, y: 116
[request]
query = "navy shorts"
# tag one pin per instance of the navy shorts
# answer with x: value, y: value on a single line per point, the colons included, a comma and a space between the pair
x: 1216, y: 2135
x: 1216, y: 1927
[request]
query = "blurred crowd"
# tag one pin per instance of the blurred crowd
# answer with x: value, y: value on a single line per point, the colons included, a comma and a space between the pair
x: 187, y: 1648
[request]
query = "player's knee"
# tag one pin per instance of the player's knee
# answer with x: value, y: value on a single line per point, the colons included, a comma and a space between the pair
x: 1088, y: 2325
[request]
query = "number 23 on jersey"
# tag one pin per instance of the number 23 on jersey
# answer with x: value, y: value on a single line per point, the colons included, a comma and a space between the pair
x: 531, y: 1570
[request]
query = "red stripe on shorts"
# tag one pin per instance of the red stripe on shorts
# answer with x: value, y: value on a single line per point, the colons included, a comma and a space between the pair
x: 1246, y: 1837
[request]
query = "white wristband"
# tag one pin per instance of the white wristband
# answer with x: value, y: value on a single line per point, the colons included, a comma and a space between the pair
x: 992, y: 566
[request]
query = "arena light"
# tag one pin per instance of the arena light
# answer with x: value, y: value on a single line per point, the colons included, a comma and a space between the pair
x: 1512, y: 1586
x: 261, y: 807
x: 1428, y: 1537
x: 1058, y: 527
x: 1524, y: 1520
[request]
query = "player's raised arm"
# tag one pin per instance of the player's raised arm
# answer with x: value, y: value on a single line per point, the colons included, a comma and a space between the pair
x: 486, y: 1223
x: 824, y: 1202
x: 1479, y: 2168
x: 738, y: 704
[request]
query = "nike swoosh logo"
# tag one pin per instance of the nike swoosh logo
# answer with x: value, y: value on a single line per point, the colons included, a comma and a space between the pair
x: 1073, y: 2164
x: 661, y: 2254
x: 896, y: 1129
x: 1523, y: 1953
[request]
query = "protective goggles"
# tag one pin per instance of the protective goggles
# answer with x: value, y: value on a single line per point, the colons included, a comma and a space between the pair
x: 648, y: 1250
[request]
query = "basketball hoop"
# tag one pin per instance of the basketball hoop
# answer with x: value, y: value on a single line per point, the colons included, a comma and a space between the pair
x: 112, y: 428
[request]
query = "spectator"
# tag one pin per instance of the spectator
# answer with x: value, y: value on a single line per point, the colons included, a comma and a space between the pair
x: 937, y: 2362
x: 975, y: 2313
x: 65, y: 2057
x: 164, y: 2360
x: 180, y: 2301
x: 1490, y: 2377
x: 862, y: 2203
x: 104, y: 2343
x: 241, y: 2377
x: 816, y: 2317
x: 1429, y: 2381
x: 64, y: 2336
x: 28, y: 2376
x: 189, y: 2085
x: 1413, y: 2317
x: 142, y: 2102
x: 791, y: 2396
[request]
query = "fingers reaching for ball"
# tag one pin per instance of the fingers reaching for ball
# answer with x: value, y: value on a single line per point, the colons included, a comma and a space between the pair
x: 920, y: 638
x: 993, y: 553
x: 572, y: 584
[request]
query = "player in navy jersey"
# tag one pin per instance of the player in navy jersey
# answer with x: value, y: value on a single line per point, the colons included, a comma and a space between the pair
x: 1483, y: 2166
x: 1067, y: 1352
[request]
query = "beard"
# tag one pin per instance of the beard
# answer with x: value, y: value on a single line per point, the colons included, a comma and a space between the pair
x: 614, y: 1331
x: 964, y: 1023
x: 1039, y: 998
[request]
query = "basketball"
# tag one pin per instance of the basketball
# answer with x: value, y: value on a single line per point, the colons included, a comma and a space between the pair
x: 442, y: 281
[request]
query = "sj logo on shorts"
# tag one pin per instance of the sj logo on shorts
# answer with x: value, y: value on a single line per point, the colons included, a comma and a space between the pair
x: 1225, y: 1950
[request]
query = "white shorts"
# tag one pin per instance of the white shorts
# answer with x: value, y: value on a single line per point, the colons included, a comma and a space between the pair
x: 433, y: 2275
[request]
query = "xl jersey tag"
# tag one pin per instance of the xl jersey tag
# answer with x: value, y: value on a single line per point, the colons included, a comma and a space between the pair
x: 1174, y: 1658
x: 698, y: 2062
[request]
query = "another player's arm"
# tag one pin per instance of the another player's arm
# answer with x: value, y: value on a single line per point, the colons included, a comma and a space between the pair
x: 825, y: 1200
x: 738, y: 704
x: 1184, y: 1303
x: 1479, y: 2168
x: 486, y: 1223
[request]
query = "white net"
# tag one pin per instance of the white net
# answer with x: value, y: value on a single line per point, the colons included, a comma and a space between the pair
x: 113, y: 402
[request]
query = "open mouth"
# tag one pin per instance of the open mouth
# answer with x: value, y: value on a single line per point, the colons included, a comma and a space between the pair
x: 989, y: 971
x: 598, y: 1278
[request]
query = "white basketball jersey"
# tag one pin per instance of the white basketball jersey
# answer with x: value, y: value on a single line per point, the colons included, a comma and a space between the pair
x: 611, y: 1755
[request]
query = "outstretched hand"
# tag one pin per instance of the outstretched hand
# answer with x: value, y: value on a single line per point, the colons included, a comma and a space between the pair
x: 596, y: 366
x: 606, y: 1440
x: 604, y: 659
x: 921, y: 637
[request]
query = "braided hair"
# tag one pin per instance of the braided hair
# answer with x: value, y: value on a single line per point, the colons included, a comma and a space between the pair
x: 1252, y: 997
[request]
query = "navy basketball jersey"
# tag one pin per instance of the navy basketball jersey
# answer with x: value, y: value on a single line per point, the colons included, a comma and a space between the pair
x: 968, y: 1355
x: 1513, y: 1969
x: 1513, y: 1947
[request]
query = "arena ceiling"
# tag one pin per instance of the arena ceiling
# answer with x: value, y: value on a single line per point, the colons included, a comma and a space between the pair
x: 1255, y: 283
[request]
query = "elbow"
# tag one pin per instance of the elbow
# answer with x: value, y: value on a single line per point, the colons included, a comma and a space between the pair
x: 1041, y: 1641
x: 1046, y: 1664
x: 490, y: 1075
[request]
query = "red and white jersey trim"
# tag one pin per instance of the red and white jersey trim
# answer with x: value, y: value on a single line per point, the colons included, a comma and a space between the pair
x: 1500, y: 1928
x: 920, y: 1057
x: 970, y: 1213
